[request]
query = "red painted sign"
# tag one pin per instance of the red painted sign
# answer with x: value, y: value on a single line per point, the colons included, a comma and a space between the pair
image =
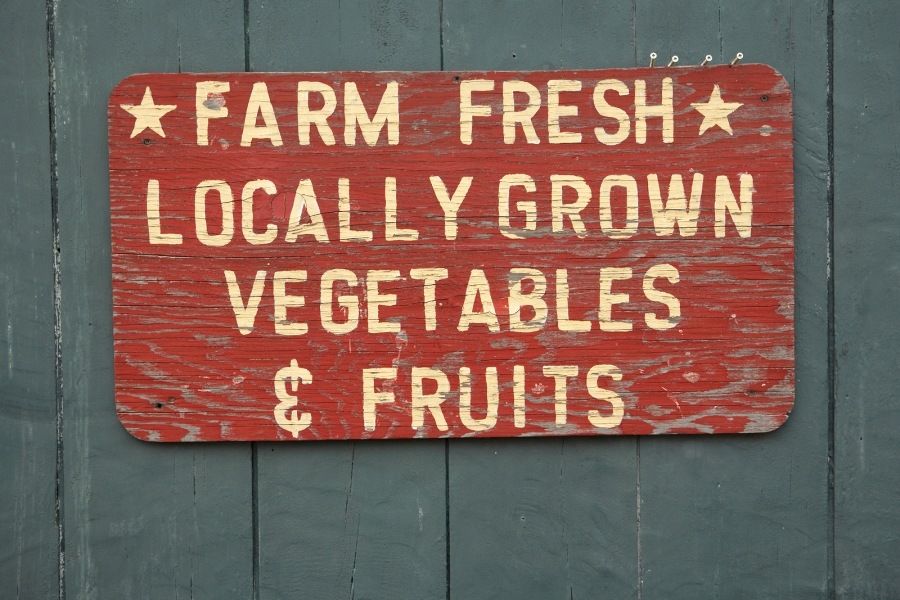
x: 394, y: 255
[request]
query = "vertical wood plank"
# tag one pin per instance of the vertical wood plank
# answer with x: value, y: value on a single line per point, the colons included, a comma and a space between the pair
x: 361, y: 519
x: 29, y: 551
x: 866, y: 280
x: 723, y: 515
x: 142, y: 520
x: 540, y: 518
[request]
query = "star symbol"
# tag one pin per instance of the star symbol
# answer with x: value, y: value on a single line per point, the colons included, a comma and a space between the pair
x: 715, y: 112
x: 147, y: 115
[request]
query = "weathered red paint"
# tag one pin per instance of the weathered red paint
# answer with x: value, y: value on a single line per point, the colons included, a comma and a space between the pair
x: 184, y: 372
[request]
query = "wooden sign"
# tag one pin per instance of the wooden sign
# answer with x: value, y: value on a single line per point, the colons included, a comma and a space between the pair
x: 394, y: 255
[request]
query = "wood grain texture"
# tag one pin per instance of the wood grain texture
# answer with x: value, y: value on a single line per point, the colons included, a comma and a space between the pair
x: 141, y: 521
x: 362, y: 519
x: 714, y: 354
x: 541, y: 518
x: 867, y: 277
x: 29, y: 550
x: 348, y: 519
x: 732, y: 515
x: 659, y: 517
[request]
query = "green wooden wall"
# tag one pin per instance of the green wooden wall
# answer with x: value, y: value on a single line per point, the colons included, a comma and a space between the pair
x: 809, y: 511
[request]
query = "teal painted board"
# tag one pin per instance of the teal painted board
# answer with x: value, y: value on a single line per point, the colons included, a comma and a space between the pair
x: 540, y: 518
x: 350, y: 35
x: 279, y: 41
x: 866, y: 284
x: 141, y: 521
x: 522, y: 35
x: 29, y: 553
x: 725, y: 517
x: 370, y: 524
x: 365, y: 520
x: 505, y: 35
x: 688, y: 31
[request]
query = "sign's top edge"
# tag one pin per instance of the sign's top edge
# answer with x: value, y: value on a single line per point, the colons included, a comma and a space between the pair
x: 669, y: 70
x: 661, y: 68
